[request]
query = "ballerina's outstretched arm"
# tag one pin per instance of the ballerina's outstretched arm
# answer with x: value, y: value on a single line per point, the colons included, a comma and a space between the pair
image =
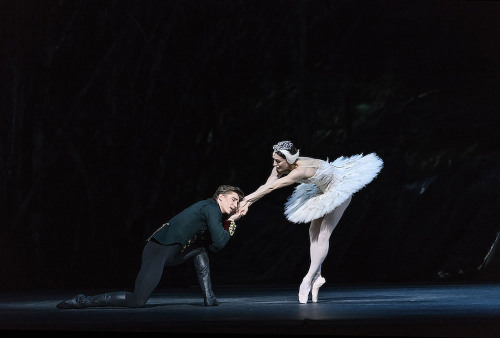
x: 272, y: 183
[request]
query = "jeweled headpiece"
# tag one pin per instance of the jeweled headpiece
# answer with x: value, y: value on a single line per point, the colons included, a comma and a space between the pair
x: 284, y: 147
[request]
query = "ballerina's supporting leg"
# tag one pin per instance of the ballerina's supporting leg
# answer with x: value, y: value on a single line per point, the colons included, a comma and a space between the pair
x: 319, y: 235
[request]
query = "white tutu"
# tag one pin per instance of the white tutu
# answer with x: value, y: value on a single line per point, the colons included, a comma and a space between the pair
x: 332, y: 184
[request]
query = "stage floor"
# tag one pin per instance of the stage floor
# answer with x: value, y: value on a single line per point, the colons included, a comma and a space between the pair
x: 381, y: 310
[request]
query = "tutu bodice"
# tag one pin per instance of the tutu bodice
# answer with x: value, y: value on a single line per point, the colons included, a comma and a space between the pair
x: 325, y: 176
x: 331, y: 185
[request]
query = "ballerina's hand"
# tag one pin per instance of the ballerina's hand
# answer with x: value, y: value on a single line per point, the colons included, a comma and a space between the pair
x: 236, y: 216
x: 243, y: 208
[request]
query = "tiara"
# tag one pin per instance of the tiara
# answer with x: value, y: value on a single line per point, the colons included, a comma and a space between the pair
x: 284, y: 147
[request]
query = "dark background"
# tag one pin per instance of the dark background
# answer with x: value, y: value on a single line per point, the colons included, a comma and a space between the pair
x: 116, y: 115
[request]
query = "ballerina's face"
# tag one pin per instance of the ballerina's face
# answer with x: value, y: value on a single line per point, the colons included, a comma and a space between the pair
x: 280, y: 164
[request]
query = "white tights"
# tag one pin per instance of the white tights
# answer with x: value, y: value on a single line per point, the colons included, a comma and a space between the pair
x: 319, y: 234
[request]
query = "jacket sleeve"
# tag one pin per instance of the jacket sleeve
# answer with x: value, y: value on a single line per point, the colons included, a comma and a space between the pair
x: 219, y: 236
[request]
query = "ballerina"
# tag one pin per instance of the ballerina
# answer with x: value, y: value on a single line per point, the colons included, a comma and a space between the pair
x: 324, y: 192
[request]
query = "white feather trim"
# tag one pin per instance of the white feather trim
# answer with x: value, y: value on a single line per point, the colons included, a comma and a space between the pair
x: 289, y: 157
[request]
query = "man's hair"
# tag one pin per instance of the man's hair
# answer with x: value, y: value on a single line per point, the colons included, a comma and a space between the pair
x: 225, y: 189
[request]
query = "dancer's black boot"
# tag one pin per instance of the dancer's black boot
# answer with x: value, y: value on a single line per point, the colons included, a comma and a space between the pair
x: 203, y: 272
x: 104, y: 299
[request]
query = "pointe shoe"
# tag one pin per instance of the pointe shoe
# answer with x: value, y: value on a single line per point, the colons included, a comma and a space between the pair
x: 304, y: 296
x: 315, y: 288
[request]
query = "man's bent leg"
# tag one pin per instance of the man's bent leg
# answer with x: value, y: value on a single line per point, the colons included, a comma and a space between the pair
x: 154, y: 257
x: 184, y: 256
x: 202, y: 267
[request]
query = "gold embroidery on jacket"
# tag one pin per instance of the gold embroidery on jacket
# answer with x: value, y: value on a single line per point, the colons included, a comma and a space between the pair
x: 154, y: 233
x: 232, y: 228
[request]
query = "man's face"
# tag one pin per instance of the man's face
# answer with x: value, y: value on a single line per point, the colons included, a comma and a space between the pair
x: 228, y: 202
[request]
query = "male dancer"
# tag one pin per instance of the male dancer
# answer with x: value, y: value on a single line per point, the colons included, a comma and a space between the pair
x: 174, y: 242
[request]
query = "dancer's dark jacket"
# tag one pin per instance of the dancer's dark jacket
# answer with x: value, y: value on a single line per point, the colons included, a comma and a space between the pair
x: 198, y: 218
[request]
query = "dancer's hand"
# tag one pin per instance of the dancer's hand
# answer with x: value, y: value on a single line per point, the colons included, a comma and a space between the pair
x: 236, y: 216
x: 243, y: 208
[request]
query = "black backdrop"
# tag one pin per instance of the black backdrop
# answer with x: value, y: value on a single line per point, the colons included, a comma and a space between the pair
x: 118, y: 114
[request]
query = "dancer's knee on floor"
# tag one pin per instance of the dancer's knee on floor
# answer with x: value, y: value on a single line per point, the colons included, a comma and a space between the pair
x: 136, y: 301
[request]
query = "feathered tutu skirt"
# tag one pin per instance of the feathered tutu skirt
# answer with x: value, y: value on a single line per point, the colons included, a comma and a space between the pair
x: 333, y: 183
